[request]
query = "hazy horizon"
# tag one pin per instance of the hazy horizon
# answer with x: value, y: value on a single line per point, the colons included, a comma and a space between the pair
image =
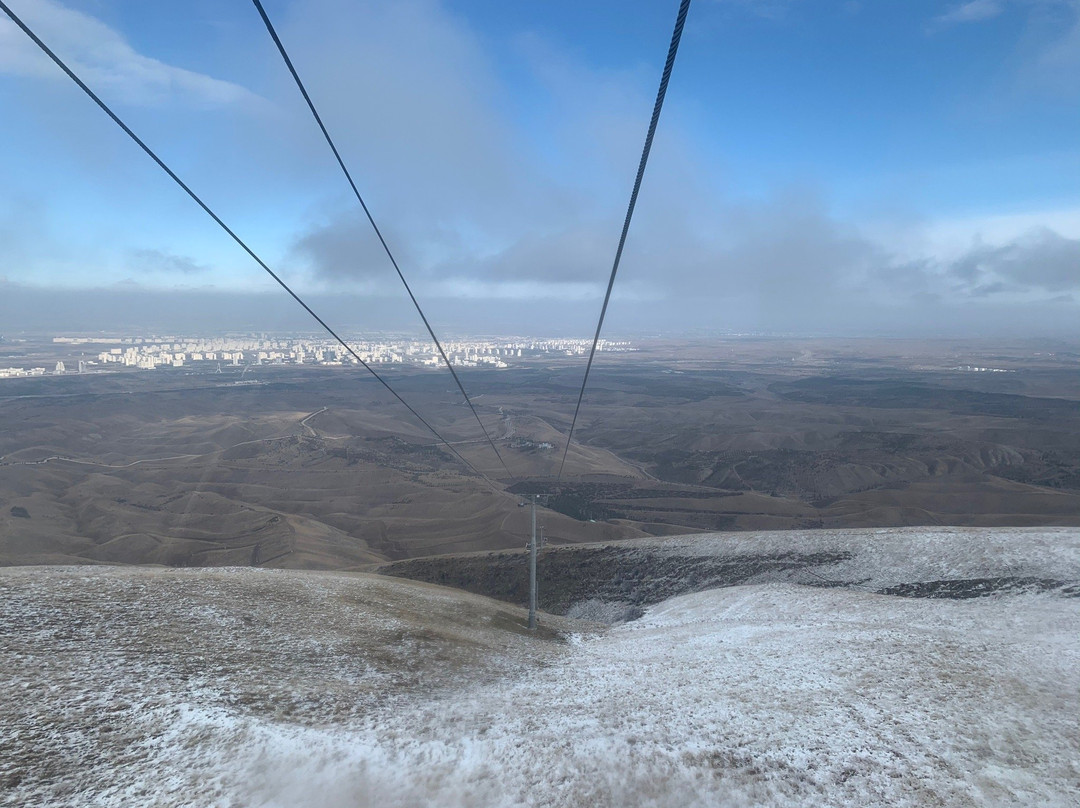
x: 26, y: 309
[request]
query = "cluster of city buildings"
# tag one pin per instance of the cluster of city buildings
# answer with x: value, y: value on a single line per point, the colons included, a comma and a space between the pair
x: 58, y: 369
x: 11, y: 373
x: 168, y: 351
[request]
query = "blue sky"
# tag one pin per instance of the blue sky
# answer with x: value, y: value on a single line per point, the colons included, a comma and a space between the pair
x: 818, y: 163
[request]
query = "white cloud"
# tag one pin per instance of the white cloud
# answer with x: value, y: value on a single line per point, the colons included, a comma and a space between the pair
x: 973, y: 11
x: 483, y: 200
x: 414, y: 102
x: 785, y: 257
x: 103, y: 58
x: 949, y: 239
x: 151, y: 261
x: 463, y: 189
x: 1055, y: 64
x: 1046, y: 54
x: 1041, y: 259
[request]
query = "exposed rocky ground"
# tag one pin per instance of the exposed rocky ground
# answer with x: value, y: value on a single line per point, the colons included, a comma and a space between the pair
x: 955, y: 563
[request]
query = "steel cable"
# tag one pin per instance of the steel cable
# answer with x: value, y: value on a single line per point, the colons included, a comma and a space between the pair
x: 680, y: 20
x: 161, y: 164
x: 375, y: 227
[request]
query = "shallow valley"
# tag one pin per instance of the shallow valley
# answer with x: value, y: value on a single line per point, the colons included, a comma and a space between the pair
x: 320, y: 468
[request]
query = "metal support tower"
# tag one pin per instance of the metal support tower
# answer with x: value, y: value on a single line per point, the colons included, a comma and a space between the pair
x: 532, y: 570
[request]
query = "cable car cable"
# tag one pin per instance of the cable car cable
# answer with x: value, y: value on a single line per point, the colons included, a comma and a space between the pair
x: 680, y: 19
x: 375, y: 227
x: 161, y: 164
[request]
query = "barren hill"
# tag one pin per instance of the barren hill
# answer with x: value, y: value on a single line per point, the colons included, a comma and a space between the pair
x: 316, y: 468
x: 249, y: 687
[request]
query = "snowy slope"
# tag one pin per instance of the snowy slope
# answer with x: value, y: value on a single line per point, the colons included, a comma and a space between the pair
x: 245, y: 687
x: 884, y: 557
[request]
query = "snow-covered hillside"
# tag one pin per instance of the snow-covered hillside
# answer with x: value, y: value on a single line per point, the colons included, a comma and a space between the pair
x: 880, y: 558
x: 256, y: 688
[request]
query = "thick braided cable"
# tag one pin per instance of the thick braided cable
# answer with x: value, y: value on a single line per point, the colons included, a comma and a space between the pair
x: 680, y: 20
x: 161, y: 164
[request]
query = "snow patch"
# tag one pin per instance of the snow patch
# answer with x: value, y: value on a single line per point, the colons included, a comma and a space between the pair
x: 249, y: 688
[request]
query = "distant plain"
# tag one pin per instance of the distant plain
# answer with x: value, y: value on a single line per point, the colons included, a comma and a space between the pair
x: 320, y: 468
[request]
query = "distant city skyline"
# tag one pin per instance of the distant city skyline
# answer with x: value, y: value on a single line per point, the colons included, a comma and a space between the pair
x: 101, y: 353
x: 831, y: 168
